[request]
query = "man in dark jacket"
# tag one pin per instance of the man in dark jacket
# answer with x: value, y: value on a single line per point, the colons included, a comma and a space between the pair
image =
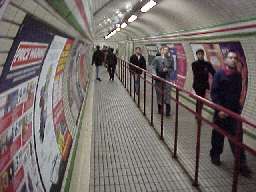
x: 138, y: 60
x: 97, y: 59
x: 201, y: 70
x: 111, y: 62
x: 226, y: 91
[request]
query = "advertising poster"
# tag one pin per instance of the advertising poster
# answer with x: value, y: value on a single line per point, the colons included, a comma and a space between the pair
x: 47, y: 149
x: 82, y: 80
x: 3, y: 5
x: 215, y: 53
x: 180, y: 63
x: 62, y: 133
x: 77, y: 82
x: 18, y: 82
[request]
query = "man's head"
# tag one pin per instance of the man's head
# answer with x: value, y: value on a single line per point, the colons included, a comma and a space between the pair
x: 231, y: 60
x: 138, y: 51
x: 200, y: 54
x: 164, y: 50
x: 98, y: 47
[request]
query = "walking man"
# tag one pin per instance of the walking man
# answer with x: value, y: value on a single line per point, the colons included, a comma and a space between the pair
x: 111, y: 61
x: 201, y: 70
x: 163, y: 66
x: 138, y: 60
x: 226, y: 91
x: 97, y: 59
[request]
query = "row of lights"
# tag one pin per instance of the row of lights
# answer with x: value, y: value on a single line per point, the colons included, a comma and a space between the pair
x: 144, y: 9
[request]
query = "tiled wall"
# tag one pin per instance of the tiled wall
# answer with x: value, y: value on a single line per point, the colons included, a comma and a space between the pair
x: 10, y: 23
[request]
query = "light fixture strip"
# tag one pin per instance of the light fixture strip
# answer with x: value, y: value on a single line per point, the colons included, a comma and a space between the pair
x: 144, y: 9
x: 132, y: 18
x: 148, y: 6
x: 124, y: 25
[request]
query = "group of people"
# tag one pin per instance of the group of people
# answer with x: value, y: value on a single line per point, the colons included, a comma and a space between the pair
x: 106, y: 57
x: 163, y: 66
x: 225, y: 91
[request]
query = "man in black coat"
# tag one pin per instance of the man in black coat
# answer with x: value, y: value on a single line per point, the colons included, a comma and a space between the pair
x: 97, y: 59
x: 111, y: 62
x: 201, y: 70
x: 138, y: 60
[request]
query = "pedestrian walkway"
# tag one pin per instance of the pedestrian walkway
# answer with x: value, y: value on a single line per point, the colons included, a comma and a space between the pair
x: 127, y: 155
x: 211, y: 178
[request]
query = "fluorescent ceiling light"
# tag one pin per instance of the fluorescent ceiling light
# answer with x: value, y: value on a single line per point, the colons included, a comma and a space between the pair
x: 120, y: 15
x: 148, y: 6
x: 123, y: 25
x: 132, y: 18
x: 118, y: 29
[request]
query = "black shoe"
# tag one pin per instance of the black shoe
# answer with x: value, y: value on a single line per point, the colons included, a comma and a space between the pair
x: 98, y: 79
x: 215, y: 160
x: 245, y: 171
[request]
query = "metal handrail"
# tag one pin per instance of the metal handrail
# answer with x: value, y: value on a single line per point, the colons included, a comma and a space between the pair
x: 124, y: 67
x: 203, y: 100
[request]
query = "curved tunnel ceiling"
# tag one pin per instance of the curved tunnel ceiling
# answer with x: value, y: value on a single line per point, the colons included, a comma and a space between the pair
x: 108, y: 13
x: 173, y: 15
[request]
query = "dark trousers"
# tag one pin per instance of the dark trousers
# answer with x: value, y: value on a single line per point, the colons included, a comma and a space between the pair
x: 111, y: 72
x: 136, y: 77
x: 231, y: 126
x: 199, y: 105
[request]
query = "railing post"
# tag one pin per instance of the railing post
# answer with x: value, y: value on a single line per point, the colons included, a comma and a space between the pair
x: 176, y: 125
x: 145, y: 84
x: 237, y: 157
x: 198, y: 145
x: 130, y: 81
x: 119, y: 68
x: 162, y: 110
x: 125, y: 71
x: 134, y: 79
x: 139, y: 90
x: 152, y: 102
x: 121, y: 74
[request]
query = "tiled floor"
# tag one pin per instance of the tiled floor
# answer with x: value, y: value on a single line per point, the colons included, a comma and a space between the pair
x: 127, y: 154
